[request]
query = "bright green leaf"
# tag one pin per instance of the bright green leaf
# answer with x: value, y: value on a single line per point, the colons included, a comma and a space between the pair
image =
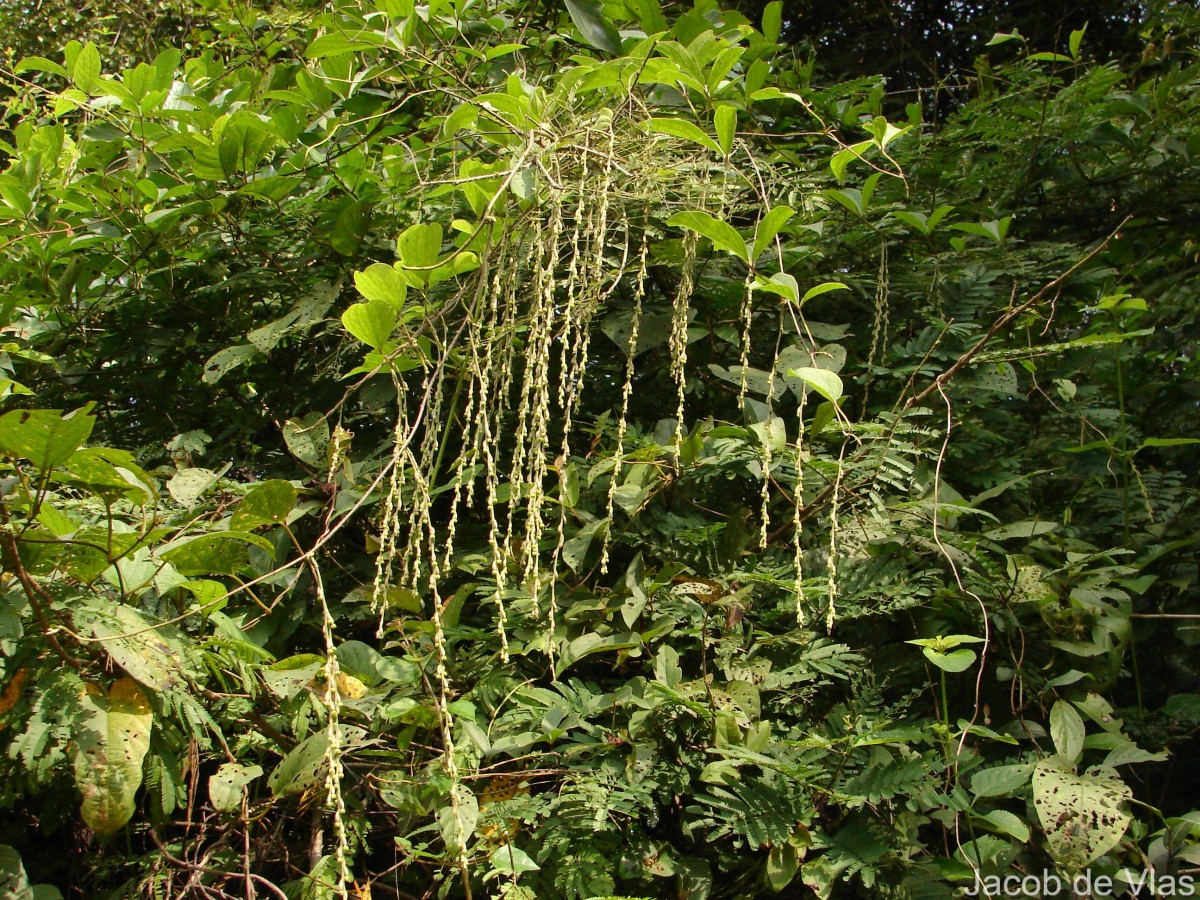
x: 382, y: 282
x: 45, y: 437
x: 824, y: 382
x: 420, y: 245
x: 726, y: 124
x: 772, y: 26
x: 723, y: 235
x: 768, y: 228
x: 681, y: 128
x: 820, y: 289
x: 372, y: 322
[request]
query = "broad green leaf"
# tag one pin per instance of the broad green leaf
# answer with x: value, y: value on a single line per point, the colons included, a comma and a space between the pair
x: 681, y: 128
x: 768, y: 227
x: 1076, y: 41
x: 914, y: 220
x: 86, y: 71
x: 1020, y: 530
x: 14, y: 883
x: 335, y: 43
x: 841, y: 160
x: 1000, y: 781
x: 726, y: 124
x: 245, y: 140
x: 302, y: 767
x: 824, y: 288
x: 1009, y: 824
x: 783, y: 862
x: 575, y: 550
x: 227, y: 784
x: 590, y: 643
x: 511, y: 860
x: 953, y: 661
x: 722, y: 234
x: 458, y: 824
x: 650, y: 15
x: 224, y: 361
x: 1002, y: 37
x: 823, y: 417
x: 219, y: 553
x: 267, y: 504
x: 885, y: 132
x: 824, y: 382
x: 210, y: 595
x: 1083, y: 815
x: 593, y: 28
x: 108, y: 747
x: 349, y: 227
x: 780, y: 283
x: 1067, y: 731
x: 187, y: 485
x: 135, y: 644
x: 39, y: 64
x: 419, y: 246
x: 995, y: 230
x: 382, y: 282
x: 45, y: 437
x: 772, y: 26
x: 371, y: 322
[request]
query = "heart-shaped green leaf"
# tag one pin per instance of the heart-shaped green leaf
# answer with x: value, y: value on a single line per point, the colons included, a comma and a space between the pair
x: 382, y: 282
x: 370, y: 322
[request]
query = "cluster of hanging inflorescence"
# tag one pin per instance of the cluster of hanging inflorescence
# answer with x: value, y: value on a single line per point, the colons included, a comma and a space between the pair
x: 481, y: 419
x: 495, y: 412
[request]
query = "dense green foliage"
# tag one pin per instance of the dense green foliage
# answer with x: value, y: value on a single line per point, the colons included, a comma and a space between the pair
x: 496, y: 450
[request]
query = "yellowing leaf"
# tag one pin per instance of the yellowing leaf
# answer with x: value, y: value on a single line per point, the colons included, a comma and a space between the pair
x: 109, y: 747
x: 1083, y: 815
x: 350, y: 687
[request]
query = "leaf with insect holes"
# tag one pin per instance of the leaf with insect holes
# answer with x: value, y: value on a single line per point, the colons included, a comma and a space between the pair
x: 1082, y: 815
x: 108, y: 746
